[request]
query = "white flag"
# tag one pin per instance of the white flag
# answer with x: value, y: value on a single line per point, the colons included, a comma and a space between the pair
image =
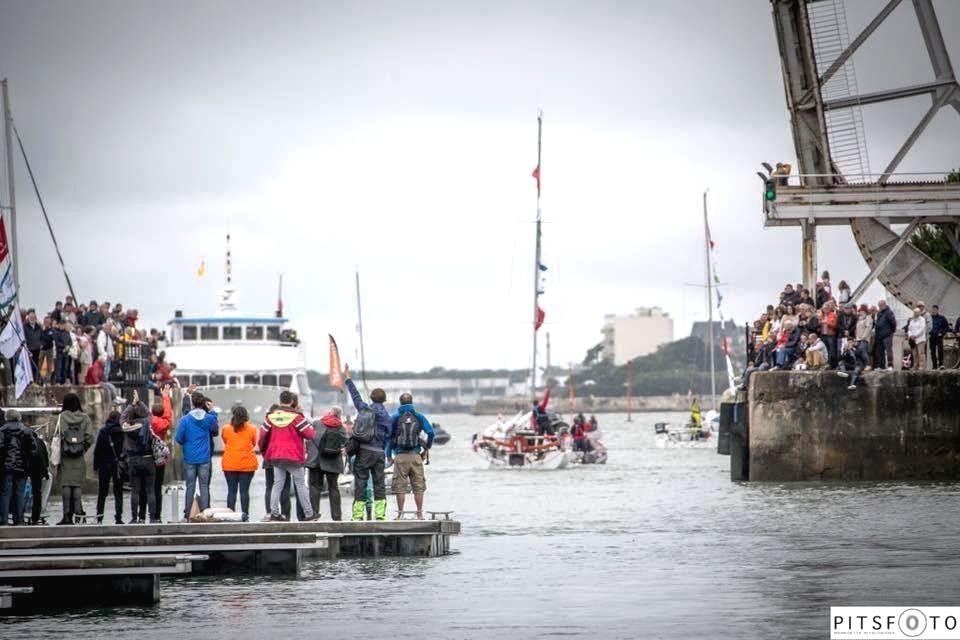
x: 12, y: 336
x: 23, y: 374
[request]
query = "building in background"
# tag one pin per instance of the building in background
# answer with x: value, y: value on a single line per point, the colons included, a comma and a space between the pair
x: 735, y: 335
x: 433, y: 394
x: 628, y: 337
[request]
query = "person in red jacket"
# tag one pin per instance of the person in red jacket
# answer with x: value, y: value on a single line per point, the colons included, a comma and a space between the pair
x: 828, y: 329
x: 160, y: 423
x: 95, y: 372
x: 282, y: 443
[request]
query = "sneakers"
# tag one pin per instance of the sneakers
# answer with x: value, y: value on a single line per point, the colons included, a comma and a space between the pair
x: 843, y: 374
x: 279, y: 517
x: 312, y: 518
x: 851, y: 387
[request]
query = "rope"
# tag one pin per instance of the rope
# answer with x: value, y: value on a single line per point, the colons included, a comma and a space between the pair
x: 45, y: 216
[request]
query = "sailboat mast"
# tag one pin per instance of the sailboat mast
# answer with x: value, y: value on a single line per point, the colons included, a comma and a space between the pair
x: 706, y: 242
x: 363, y: 362
x: 536, y: 266
x: 8, y: 143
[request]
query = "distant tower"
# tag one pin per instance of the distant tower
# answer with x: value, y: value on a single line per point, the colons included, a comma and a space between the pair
x: 228, y: 296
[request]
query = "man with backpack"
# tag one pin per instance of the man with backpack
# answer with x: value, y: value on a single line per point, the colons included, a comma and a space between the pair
x: 17, y: 454
x: 407, y: 452
x: 371, y: 432
x: 325, y: 460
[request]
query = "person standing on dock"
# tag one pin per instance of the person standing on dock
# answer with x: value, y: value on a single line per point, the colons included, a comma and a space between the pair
x: 939, y: 327
x: 139, y: 453
x: 77, y: 435
x: 160, y: 422
x: 17, y: 453
x: 371, y: 432
x: 325, y: 461
x: 917, y: 338
x: 239, y: 459
x: 195, y: 435
x: 106, y: 463
x: 884, y: 328
x: 282, y: 443
x: 406, y: 450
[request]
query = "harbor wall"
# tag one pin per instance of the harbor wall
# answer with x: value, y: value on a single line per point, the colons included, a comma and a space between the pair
x: 898, y: 425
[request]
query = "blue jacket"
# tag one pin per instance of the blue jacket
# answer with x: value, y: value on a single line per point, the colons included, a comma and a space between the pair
x: 384, y: 421
x: 424, y: 424
x: 194, y: 434
x: 940, y: 325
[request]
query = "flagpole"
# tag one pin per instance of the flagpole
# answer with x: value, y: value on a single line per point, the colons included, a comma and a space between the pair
x: 706, y: 242
x: 536, y: 265
x: 8, y: 140
x: 363, y: 362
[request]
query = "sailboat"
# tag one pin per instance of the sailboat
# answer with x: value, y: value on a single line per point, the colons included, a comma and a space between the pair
x: 526, y: 441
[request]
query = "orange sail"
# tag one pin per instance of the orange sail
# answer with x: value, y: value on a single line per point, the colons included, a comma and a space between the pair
x: 336, y: 377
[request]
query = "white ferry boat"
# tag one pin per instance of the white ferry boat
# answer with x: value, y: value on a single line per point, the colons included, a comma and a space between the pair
x: 237, y: 358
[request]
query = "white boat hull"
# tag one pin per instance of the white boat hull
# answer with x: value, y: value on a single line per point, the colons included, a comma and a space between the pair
x: 550, y: 462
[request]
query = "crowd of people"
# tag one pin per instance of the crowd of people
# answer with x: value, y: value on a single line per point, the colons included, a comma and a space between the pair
x: 83, y: 343
x: 133, y: 447
x: 825, y: 329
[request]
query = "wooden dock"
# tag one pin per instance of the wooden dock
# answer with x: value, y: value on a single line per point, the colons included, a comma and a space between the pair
x: 122, y: 564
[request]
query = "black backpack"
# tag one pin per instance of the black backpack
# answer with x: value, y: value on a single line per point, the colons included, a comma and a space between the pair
x: 331, y: 442
x: 365, y: 426
x: 407, y: 434
x: 72, y: 438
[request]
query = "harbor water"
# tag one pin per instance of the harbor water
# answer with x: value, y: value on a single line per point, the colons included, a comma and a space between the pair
x: 658, y: 543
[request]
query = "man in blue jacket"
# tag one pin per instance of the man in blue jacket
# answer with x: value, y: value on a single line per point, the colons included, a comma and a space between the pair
x: 195, y: 434
x: 939, y: 328
x: 407, y: 452
x: 370, y: 460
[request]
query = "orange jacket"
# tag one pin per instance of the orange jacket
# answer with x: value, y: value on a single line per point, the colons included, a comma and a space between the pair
x: 238, y: 448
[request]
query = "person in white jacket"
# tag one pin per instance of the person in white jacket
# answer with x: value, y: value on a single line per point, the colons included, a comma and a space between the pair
x: 917, y: 336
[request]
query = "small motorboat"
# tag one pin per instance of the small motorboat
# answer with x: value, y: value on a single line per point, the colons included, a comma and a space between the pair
x: 513, y: 444
x: 698, y: 432
x: 440, y: 435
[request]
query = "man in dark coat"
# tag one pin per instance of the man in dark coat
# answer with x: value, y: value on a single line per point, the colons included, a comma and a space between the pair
x: 16, y: 456
x: 884, y: 328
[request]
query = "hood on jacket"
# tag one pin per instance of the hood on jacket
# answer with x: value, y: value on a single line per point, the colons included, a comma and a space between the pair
x: 406, y: 407
x: 72, y: 417
x: 331, y: 421
x: 283, y: 417
x: 112, y: 425
x: 198, y: 414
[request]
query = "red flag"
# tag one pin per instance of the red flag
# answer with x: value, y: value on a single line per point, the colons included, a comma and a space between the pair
x: 541, y: 314
x: 536, y: 174
x: 336, y: 378
x: 4, y: 250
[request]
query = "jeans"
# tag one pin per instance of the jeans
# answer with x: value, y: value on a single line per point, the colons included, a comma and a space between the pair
x: 831, y: 343
x: 295, y: 471
x: 319, y: 477
x: 782, y: 357
x: 36, y: 486
x: 64, y: 368
x: 11, y: 498
x: 284, y: 495
x: 936, y: 351
x: 883, y: 352
x: 35, y: 364
x: 369, y: 463
x: 107, y: 476
x: 239, y: 480
x: 142, y: 475
x: 157, y: 489
x: 192, y: 475
x: 854, y: 372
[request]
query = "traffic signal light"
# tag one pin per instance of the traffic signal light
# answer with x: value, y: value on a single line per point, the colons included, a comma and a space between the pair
x: 769, y: 189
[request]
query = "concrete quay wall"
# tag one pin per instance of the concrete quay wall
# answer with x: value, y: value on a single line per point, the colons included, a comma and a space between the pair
x: 898, y: 425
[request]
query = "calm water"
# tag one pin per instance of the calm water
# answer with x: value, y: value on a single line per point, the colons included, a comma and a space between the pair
x: 655, y: 544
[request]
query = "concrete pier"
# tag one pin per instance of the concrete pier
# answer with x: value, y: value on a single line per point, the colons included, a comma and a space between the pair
x: 807, y: 425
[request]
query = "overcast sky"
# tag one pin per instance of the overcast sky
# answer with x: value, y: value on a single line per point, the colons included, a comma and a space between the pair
x: 399, y: 138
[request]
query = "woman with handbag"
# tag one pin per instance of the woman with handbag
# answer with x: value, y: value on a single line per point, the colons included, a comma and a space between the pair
x: 76, y: 434
x: 138, y: 449
x: 108, y: 462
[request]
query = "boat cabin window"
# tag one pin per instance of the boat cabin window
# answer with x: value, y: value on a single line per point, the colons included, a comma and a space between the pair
x: 251, y: 378
x: 184, y: 381
x: 303, y: 383
x: 269, y: 380
x: 232, y: 333
x: 273, y: 332
x: 217, y: 379
x: 235, y: 381
x: 254, y: 333
x: 209, y: 333
x: 286, y: 380
x: 189, y: 332
x: 199, y: 379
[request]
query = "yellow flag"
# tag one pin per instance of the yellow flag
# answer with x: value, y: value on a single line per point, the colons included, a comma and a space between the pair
x: 203, y: 268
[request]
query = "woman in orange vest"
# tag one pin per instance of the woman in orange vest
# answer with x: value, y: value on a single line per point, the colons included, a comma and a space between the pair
x: 239, y: 458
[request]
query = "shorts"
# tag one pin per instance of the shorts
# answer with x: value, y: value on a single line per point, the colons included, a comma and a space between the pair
x: 408, y: 474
